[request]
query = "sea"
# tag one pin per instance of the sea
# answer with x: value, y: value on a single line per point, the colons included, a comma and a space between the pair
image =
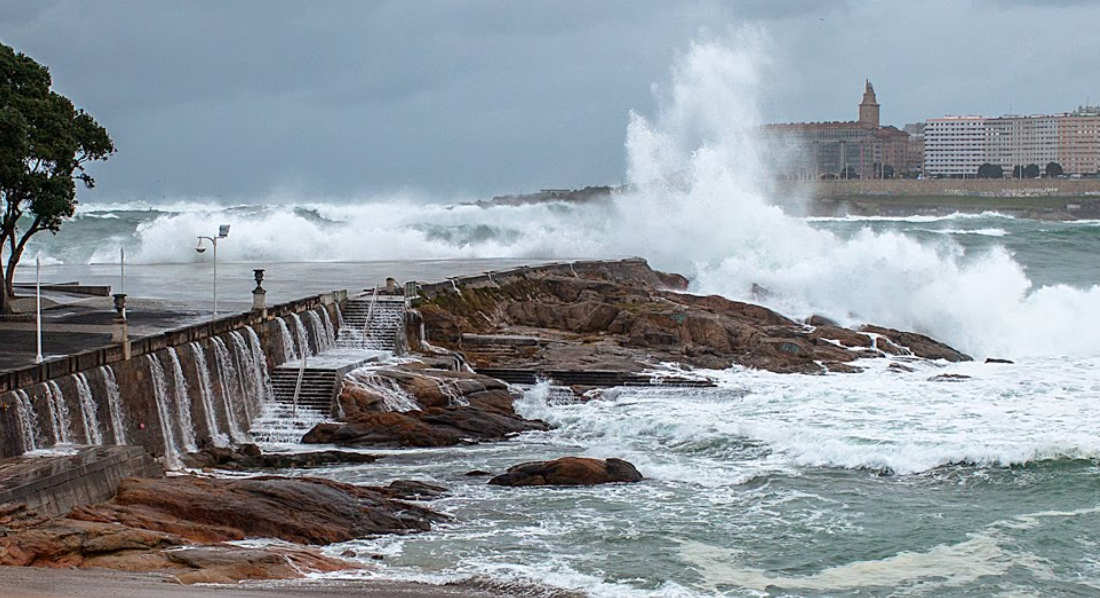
x: 897, y: 481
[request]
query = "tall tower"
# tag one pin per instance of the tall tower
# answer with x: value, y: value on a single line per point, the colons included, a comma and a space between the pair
x: 868, y: 108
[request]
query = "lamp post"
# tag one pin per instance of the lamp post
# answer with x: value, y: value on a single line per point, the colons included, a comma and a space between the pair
x: 223, y: 232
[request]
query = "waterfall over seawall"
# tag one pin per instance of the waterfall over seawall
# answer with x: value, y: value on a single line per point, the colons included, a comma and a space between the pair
x: 88, y: 411
x: 290, y: 353
x: 230, y: 386
x: 206, y: 394
x: 59, y: 414
x: 182, y: 403
x: 164, y: 411
x: 114, y: 403
x: 173, y: 400
x: 28, y: 422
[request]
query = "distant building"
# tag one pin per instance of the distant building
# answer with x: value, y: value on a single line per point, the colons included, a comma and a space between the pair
x: 847, y: 149
x: 958, y: 145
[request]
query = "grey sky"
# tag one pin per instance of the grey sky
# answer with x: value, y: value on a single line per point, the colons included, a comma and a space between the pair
x: 248, y: 100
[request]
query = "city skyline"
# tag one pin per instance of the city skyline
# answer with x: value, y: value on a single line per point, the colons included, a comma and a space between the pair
x: 262, y: 101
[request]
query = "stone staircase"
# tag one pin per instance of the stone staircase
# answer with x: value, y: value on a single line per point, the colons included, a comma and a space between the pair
x: 319, y: 387
x: 374, y: 323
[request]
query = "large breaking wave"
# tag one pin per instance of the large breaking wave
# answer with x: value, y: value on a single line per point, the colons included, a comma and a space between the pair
x: 696, y: 206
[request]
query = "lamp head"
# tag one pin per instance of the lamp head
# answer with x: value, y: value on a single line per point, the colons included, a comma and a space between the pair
x: 200, y: 247
x: 223, y: 231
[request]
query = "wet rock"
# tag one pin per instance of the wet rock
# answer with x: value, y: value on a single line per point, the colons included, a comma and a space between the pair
x: 897, y: 367
x: 998, y: 360
x: 918, y: 344
x: 65, y: 542
x: 816, y: 320
x: 434, y: 427
x: 569, y: 471
x: 477, y: 473
x: 626, y: 321
x: 301, y: 510
x: 949, y: 378
x: 248, y: 456
x: 413, y: 490
x: 450, y: 408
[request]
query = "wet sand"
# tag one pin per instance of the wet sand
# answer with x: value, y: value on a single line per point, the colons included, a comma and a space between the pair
x: 29, y: 582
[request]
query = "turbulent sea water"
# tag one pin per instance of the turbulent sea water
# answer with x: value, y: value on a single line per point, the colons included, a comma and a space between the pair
x: 884, y: 483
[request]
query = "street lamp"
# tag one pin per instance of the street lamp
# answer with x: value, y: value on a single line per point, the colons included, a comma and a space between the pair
x: 223, y: 232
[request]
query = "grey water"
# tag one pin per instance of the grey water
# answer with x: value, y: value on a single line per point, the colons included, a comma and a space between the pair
x: 884, y: 483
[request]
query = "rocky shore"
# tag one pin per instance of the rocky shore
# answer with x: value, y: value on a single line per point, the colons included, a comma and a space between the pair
x: 633, y: 323
x: 628, y: 319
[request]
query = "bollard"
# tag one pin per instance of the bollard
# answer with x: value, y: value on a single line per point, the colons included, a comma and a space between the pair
x: 259, y: 294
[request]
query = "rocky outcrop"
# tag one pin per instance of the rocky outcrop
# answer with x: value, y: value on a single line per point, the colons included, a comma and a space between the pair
x: 301, y: 510
x: 442, y: 408
x: 180, y: 525
x: 630, y: 320
x: 66, y: 543
x: 569, y: 471
x: 249, y: 457
x: 918, y: 345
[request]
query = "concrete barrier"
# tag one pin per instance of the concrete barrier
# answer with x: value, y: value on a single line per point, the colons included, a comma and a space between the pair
x: 136, y: 386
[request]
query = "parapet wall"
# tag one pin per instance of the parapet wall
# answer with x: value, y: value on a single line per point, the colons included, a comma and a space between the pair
x: 86, y: 377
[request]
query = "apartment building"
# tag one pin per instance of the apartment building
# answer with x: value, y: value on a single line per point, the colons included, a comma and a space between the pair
x: 958, y: 145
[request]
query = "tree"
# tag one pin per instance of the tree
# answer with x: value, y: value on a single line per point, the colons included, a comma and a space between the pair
x: 888, y: 172
x: 1031, y: 171
x: 45, y: 142
x: 990, y: 171
x: 1054, y: 169
x: 849, y: 173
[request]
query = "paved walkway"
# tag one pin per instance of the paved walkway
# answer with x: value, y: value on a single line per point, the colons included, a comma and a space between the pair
x: 71, y: 324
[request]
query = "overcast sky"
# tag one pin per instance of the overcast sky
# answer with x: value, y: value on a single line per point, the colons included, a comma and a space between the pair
x: 252, y: 100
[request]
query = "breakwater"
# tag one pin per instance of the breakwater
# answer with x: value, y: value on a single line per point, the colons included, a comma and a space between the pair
x: 179, y: 390
x: 958, y: 187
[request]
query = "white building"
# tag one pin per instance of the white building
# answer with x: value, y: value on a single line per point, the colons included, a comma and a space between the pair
x: 958, y: 145
x: 954, y: 145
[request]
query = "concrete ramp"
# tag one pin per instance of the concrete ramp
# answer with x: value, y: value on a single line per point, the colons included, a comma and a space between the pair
x: 53, y: 483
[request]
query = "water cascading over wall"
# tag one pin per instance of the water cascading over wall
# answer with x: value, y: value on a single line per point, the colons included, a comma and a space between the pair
x: 211, y: 389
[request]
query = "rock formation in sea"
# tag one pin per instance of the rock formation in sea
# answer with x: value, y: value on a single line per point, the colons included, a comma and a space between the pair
x: 438, y: 408
x: 632, y: 319
x: 569, y: 471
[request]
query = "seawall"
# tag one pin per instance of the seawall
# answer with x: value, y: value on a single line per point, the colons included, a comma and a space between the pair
x: 78, y: 388
x: 957, y: 187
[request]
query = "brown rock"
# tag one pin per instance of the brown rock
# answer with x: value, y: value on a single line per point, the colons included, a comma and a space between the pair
x: 918, y: 344
x: 569, y: 471
x: 301, y: 510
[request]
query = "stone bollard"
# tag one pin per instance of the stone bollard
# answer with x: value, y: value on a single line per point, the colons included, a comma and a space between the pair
x: 391, y: 286
x: 121, y: 331
x: 259, y: 294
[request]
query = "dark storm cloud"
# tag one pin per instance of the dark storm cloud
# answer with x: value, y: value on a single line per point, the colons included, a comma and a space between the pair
x: 250, y: 99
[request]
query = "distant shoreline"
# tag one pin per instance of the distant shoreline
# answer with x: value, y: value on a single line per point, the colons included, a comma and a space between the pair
x: 1033, y: 208
x: 1036, y: 199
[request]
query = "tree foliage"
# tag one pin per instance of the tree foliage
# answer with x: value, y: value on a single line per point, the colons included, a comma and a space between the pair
x: 990, y: 171
x: 45, y: 143
x: 1031, y: 171
x: 1054, y: 169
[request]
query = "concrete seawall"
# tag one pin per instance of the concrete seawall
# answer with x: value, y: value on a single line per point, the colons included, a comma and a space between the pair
x: 140, y: 419
x: 958, y: 187
x: 53, y: 486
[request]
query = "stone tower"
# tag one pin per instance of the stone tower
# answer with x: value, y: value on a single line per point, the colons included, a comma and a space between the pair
x: 868, y: 108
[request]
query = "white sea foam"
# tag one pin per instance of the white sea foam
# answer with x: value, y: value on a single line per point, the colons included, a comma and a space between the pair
x: 984, y: 232
x: 919, y: 218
